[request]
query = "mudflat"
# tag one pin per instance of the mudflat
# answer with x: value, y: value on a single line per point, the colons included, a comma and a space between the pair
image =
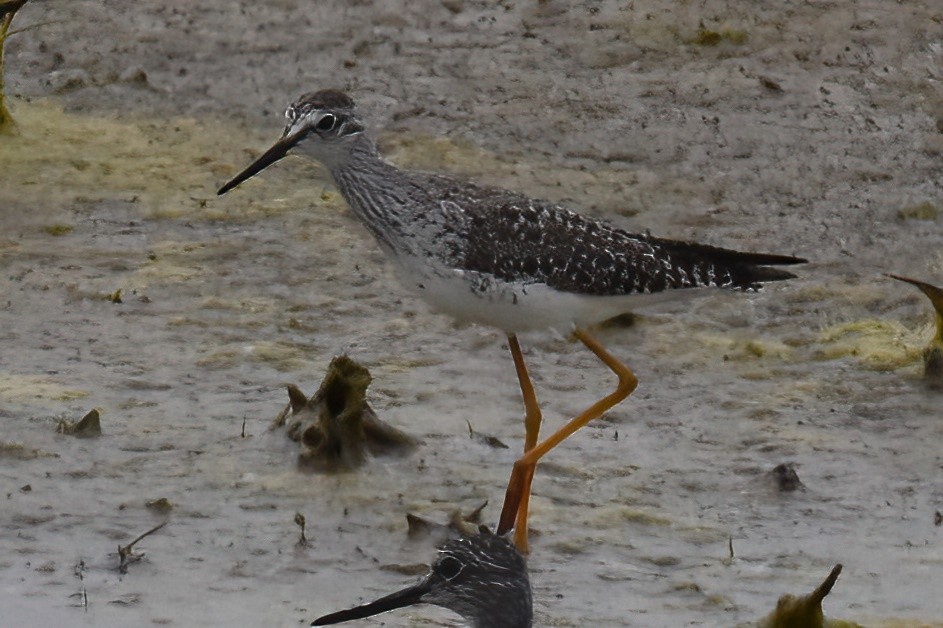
x: 811, y: 129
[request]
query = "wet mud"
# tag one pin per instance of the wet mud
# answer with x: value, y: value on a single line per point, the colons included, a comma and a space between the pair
x: 128, y: 287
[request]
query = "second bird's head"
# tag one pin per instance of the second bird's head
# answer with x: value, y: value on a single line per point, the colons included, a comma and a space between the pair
x: 321, y: 125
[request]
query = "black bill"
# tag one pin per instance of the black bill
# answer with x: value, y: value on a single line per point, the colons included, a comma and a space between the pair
x: 269, y: 157
x: 406, y: 597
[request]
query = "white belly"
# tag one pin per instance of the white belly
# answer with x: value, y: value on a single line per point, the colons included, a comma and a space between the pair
x: 512, y: 307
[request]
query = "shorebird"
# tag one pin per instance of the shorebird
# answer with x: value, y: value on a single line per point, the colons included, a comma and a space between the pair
x: 933, y: 354
x: 498, y: 258
x: 483, y: 578
x: 805, y: 611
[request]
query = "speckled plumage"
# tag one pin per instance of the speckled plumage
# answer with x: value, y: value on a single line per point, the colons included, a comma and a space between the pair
x: 527, y: 241
x: 497, y: 257
x: 482, y: 578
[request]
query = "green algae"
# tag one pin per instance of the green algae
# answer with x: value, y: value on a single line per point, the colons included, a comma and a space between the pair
x: 35, y: 389
x: 880, y: 345
x: 166, y: 170
x: 920, y: 211
x: 708, y: 37
x: 56, y: 230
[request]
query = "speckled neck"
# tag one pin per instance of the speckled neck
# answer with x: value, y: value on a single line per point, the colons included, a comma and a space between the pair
x: 385, y: 198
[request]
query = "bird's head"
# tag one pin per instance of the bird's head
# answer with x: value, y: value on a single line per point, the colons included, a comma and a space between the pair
x: 482, y: 578
x: 321, y: 125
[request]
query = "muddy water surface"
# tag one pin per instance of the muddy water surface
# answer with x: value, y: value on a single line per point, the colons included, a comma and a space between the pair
x: 223, y: 301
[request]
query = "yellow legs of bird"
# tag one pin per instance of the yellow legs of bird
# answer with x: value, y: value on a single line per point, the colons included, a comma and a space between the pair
x: 516, y: 500
x: 532, y: 420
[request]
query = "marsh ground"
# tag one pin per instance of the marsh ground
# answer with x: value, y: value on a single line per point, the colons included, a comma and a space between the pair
x: 814, y: 129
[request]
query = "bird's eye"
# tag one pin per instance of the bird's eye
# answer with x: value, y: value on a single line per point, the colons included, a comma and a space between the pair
x: 326, y: 123
x: 450, y: 567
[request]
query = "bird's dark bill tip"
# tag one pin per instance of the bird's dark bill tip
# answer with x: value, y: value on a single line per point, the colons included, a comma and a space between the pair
x: 405, y: 597
x: 226, y: 188
x: 269, y: 157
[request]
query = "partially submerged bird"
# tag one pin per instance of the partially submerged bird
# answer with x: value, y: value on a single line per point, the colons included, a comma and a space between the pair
x: 933, y: 354
x: 483, y: 578
x: 805, y: 611
x: 499, y: 258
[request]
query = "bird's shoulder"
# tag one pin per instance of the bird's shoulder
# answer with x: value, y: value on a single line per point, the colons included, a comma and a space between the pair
x: 493, y: 214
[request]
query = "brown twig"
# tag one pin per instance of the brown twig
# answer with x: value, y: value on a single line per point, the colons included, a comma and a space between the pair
x: 126, y: 554
x: 300, y: 520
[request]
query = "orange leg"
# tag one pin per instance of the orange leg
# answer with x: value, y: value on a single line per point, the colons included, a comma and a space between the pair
x: 524, y: 467
x: 532, y: 420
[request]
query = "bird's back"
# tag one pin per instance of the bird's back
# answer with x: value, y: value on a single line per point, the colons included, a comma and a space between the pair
x: 525, y: 241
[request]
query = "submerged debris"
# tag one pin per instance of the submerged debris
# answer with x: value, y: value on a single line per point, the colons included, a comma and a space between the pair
x: 730, y: 555
x: 620, y: 321
x: 485, y: 439
x: 89, y: 427
x: 459, y: 523
x: 785, y: 477
x: 805, y: 611
x: 933, y: 354
x: 160, y: 505
x: 300, y: 522
x: 126, y: 554
x: 336, y: 425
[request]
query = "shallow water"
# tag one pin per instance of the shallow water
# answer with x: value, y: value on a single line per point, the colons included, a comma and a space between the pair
x: 223, y: 301
x: 223, y: 304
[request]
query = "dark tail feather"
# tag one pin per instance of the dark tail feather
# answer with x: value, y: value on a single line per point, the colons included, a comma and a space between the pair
x: 727, y: 257
x: 747, y: 270
x: 762, y: 274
